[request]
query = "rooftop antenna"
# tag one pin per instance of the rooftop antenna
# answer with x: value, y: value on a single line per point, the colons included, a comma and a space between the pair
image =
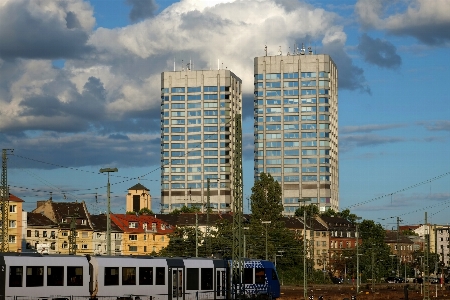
x: 289, y: 52
x: 302, y: 51
x: 265, y: 49
x: 279, y: 51
x: 310, y: 50
x: 174, y: 64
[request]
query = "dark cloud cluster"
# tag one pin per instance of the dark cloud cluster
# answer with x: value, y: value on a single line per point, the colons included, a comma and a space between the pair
x: 30, y: 35
x: 378, y: 52
x: 141, y: 9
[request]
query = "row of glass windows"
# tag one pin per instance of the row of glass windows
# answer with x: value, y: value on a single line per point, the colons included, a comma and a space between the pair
x: 297, y: 169
x: 195, y: 185
x: 294, y: 75
x: 195, y: 105
x: 291, y: 101
x: 193, y: 113
x: 196, y: 89
x: 273, y: 144
x: 198, y: 185
x: 196, y: 161
x: 196, y: 145
x: 290, y: 84
x: 303, y: 92
x: 278, y: 110
x: 195, y: 97
x: 174, y: 129
x: 291, y: 161
x: 292, y: 178
x: 195, y: 153
x: 295, y: 200
x: 196, y: 137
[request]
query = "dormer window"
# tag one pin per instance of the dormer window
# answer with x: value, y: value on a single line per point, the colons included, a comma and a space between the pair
x: 144, y: 226
x: 83, y: 222
x: 163, y: 226
x: 132, y: 225
x: 63, y: 221
x: 154, y: 226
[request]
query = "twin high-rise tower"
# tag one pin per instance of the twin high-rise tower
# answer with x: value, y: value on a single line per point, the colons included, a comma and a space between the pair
x: 295, y: 132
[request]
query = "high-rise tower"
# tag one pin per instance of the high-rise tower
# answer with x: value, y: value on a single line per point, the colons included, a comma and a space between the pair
x: 296, y: 127
x: 198, y: 110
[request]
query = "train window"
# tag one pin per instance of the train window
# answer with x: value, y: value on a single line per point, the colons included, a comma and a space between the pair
x: 207, y: 278
x: 74, y: 276
x: 145, y: 276
x: 35, y: 276
x: 274, y: 275
x: 160, y: 276
x: 248, y: 276
x: 260, y: 276
x: 15, y: 276
x: 128, y: 276
x: 55, y: 276
x: 192, y: 279
x: 111, y: 276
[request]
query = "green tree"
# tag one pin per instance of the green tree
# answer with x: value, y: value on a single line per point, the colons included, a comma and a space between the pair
x: 311, y: 211
x: 185, y: 209
x: 182, y: 243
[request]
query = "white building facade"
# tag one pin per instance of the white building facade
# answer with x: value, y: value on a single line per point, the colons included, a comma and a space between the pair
x: 296, y: 127
x: 198, y: 111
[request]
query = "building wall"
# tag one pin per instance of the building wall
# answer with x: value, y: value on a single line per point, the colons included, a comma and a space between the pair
x: 198, y: 111
x: 15, y: 226
x: 143, y: 243
x: 144, y: 198
x: 296, y: 127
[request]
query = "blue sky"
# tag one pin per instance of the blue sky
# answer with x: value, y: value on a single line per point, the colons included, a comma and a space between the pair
x: 80, y: 83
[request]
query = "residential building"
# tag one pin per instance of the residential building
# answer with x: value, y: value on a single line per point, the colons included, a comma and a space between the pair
x: 138, y: 197
x: 296, y: 127
x: 15, y: 227
x: 402, y: 249
x: 73, y: 220
x: 317, y: 239
x: 342, y: 241
x: 142, y: 234
x: 41, y: 234
x: 99, y: 235
x: 198, y: 114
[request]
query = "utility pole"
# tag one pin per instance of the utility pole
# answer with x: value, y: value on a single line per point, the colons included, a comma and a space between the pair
x: 237, y: 258
x: 426, y: 270
x: 357, y: 255
x: 5, y: 203
x: 399, y: 253
x: 73, y: 233
x: 108, y: 213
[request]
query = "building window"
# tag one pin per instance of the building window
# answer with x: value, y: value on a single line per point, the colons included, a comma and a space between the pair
x: 12, y: 223
x: 12, y: 208
x: 132, y: 237
x: 64, y: 233
x: 83, y: 222
x: 132, y: 225
x: 44, y: 233
x: 12, y: 239
x: 36, y: 233
x: 28, y: 233
x: 52, y: 234
x: 84, y: 246
x: 145, y: 248
x: 132, y: 248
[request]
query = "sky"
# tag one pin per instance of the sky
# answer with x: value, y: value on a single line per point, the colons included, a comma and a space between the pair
x: 80, y: 90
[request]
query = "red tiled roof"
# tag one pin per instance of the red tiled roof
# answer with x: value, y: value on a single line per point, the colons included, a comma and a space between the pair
x: 123, y: 222
x: 14, y: 198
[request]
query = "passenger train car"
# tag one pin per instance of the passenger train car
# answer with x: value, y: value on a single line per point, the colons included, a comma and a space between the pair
x: 33, y: 276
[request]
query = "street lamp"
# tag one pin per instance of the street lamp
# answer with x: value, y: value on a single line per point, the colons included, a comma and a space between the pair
x: 266, y: 222
x: 357, y: 256
x: 108, y: 218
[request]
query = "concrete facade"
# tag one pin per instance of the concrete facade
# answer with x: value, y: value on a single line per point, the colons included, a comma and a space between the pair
x: 198, y: 111
x: 296, y: 127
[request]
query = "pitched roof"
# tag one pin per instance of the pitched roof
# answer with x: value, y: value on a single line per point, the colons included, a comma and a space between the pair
x: 391, y: 237
x: 99, y: 224
x: 36, y: 219
x: 337, y: 223
x: 123, y: 222
x: 13, y: 198
x: 190, y: 219
x: 138, y: 187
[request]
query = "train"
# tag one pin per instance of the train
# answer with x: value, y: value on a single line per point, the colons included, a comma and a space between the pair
x: 69, y: 277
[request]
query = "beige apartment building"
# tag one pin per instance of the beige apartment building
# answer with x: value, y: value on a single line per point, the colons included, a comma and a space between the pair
x: 296, y: 127
x: 198, y: 114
